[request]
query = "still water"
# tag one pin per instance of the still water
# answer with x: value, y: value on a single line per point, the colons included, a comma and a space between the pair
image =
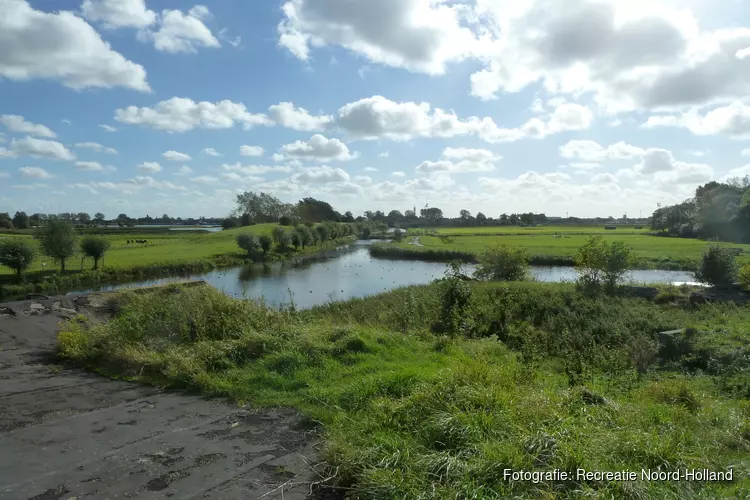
x: 350, y: 272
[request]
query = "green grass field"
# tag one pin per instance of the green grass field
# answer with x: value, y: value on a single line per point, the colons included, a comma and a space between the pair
x: 563, y: 229
x: 649, y: 251
x: 538, y: 378
x: 163, y: 247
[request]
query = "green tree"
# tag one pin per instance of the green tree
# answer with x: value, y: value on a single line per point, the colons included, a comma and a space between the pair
x: 95, y: 247
x: 601, y: 263
x: 250, y: 244
x: 296, y: 239
x: 431, y: 215
x: 718, y: 267
x: 230, y: 222
x: 278, y: 234
x: 305, y: 236
x: 323, y: 232
x: 503, y: 263
x: 99, y: 218
x: 16, y: 254
x: 58, y: 240
x: 5, y: 221
x: 21, y: 220
x: 265, y: 242
x: 481, y: 219
x: 262, y: 207
x: 36, y: 219
x: 394, y: 216
x: 312, y: 210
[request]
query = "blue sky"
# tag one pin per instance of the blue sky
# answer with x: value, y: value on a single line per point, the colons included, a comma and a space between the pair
x: 558, y: 106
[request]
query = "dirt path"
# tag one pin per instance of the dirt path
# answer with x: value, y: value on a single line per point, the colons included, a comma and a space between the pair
x: 66, y: 433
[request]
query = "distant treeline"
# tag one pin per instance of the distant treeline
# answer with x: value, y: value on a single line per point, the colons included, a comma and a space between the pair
x: 21, y: 220
x: 718, y: 211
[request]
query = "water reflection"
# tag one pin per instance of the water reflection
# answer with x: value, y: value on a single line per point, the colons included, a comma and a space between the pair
x: 348, y: 272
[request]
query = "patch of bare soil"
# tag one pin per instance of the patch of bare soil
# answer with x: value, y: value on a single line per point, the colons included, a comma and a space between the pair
x: 67, y: 433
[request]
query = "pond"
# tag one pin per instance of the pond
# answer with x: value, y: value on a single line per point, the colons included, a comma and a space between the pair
x: 350, y: 272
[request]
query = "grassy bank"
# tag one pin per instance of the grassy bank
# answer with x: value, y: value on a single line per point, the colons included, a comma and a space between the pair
x: 538, y: 377
x: 649, y: 252
x: 163, y: 254
x: 413, y: 252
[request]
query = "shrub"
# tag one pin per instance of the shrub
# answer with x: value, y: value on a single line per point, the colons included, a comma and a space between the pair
x: 601, y: 263
x: 285, y: 220
x: 366, y: 232
x: 305, y: 236
x: 58, y: 240
x: 246, y: 220
x: 503, y: 263
x: 230, y: 222
x: 323, y: 232
x: 398, y: 235
x: 280, y: 237
x: 717, y: 267
x: 16, y: 254
x: 265, y: 242
x: 95, y: 247
x: 744, y: 277
x: 455, y: 294
x: 249, y: 243
x: 296, y: 239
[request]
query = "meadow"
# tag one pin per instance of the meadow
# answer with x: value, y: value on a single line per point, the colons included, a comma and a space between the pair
x: 163, y: 247
x: 164, y: 253
x: 547, y: 229
x: 548, y: 247
x: 536, y: 377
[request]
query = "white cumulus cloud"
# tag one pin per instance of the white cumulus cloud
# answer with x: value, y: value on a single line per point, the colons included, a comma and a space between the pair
x: 41, y: 148
x: 61, y: 46
x: 35, y: 173
x: 119, y: 13
x: 419, y: 35
x: 150, y: 167
x: 94, y: 146
x: 18, y: 124
x: 289, y: 116
x: 252, y: 151
x: 179, y: 32
x: 318, y: 148
x: 181, y: 115
x: 319, y: 175
x: 175, y: 156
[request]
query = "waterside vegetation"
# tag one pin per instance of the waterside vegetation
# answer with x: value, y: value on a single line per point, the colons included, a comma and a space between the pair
x: 434, y: 391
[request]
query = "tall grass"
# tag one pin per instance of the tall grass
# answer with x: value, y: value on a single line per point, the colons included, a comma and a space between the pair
x: 540, y: 378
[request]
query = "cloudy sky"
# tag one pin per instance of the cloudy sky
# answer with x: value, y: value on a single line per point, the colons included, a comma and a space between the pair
x: 587, y: 107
